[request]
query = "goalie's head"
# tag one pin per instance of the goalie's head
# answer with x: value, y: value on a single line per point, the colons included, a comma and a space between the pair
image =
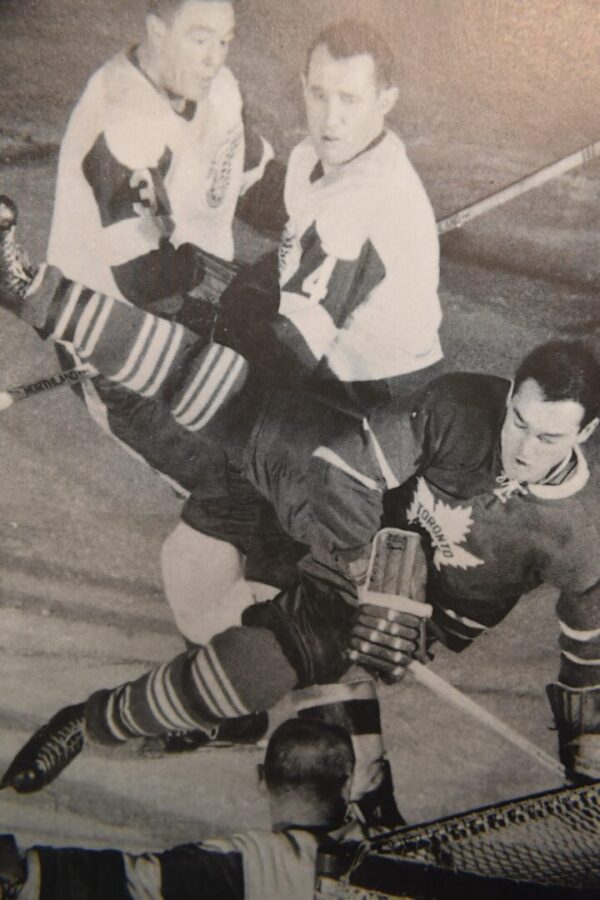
x: 308, y: 771
x: 554, y: 406
x: 187, y: 43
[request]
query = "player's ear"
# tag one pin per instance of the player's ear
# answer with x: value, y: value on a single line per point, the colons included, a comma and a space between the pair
x: 587, y: 431
x: 388, y: 97
x: 155, y: 29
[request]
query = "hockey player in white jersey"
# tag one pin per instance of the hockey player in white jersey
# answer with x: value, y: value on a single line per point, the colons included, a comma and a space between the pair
x: 156, y: 154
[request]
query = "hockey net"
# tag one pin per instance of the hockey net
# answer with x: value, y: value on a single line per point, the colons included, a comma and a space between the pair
x: 542, y: 845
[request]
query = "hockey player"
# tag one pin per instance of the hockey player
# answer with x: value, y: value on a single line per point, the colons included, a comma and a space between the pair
x: 155, y: 157
x: 493, y: 475
x: 307, y: 773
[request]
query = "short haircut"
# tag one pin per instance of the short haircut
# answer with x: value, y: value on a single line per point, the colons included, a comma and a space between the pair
x: 565, y: 370
x: 310, y: 757
x: 352, y: 37
x: 165, y: 8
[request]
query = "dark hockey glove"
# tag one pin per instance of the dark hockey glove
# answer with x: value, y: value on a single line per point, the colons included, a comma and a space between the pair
x: 12, y: 868
x: 577, y: 716
x: 385, y: 639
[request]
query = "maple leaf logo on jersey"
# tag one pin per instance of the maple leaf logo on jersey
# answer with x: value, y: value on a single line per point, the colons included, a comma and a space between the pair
x: 448, y: 526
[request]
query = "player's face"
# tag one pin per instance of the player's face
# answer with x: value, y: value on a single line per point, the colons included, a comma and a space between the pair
x: 193, y: 45
x: 345, y: 106
x: 538, y: 434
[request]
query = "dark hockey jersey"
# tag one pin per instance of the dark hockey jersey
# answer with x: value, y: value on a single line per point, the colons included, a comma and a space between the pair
x: 437, y: 469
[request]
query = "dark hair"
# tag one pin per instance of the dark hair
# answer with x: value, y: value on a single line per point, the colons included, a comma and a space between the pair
x: 565, y: 370
x: 352, y: 37
x: 311, y: 757
x: 165, y: 8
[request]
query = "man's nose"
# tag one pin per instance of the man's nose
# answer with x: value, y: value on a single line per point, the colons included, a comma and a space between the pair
x: 212, y: 58
x: 333, y: 113
x: 527, y: 447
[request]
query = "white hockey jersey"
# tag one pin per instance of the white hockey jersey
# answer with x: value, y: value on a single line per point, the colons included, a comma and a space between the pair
x: 359, y: 263
x: 133, y: 171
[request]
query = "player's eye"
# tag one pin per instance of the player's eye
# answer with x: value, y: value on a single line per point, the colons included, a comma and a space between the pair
x: 518, y: 420
x: 548, y: 439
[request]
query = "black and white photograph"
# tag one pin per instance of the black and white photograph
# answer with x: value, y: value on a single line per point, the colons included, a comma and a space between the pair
x: 299, y: 449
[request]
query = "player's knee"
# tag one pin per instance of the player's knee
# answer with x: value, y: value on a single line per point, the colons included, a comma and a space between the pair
x: 254, y: 665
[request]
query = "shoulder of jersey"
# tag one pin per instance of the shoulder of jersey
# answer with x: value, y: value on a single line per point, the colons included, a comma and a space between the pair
x: 136, y: 120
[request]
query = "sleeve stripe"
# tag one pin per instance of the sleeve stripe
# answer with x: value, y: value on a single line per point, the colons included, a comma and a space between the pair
x: 386, y: 470
x: 331, y: 457
x: 221, y: 393
x: 470, y: 623
x: 577, y: 635
x: 579, y: 660
x: 67, y: 312
x: 106, y: 306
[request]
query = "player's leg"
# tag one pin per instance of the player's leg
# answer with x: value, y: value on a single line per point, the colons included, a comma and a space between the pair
x: 297, y: 639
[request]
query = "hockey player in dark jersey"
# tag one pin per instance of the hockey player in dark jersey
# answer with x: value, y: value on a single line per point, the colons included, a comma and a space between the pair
x: 307, y: 773
x: 492, y: 474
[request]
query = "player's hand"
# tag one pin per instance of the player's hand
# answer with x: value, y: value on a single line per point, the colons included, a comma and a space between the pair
x: 12, y: 868
x: 385, y: 640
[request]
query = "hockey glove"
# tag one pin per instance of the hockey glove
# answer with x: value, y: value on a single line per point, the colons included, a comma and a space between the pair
x: 12, y: 868
x: 386, y: 638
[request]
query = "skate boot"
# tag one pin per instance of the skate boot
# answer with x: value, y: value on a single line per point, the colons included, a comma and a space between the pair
x: 47, y: 752
x: 15, y: 270
x: 245, y: 730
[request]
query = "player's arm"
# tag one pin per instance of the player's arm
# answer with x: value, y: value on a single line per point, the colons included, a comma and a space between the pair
x: 183, y: 873
x: 575, y: 696
x: 350, y: 478
x: 261, y: 203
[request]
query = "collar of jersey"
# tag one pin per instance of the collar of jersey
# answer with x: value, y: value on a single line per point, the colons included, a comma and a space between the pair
x: 180, y: 106
x: 319, y: 171
x: 571, y: 485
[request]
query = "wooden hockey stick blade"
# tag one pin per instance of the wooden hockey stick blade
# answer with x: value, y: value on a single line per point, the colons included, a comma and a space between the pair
x: 541, y: 176
x: 25, y: 391
x: 448, y: 692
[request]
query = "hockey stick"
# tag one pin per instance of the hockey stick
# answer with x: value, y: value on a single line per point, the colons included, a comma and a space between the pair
x: 541, y: 176
x: 396, y: 568
x: 448, y: 692
x: 24, y: 391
